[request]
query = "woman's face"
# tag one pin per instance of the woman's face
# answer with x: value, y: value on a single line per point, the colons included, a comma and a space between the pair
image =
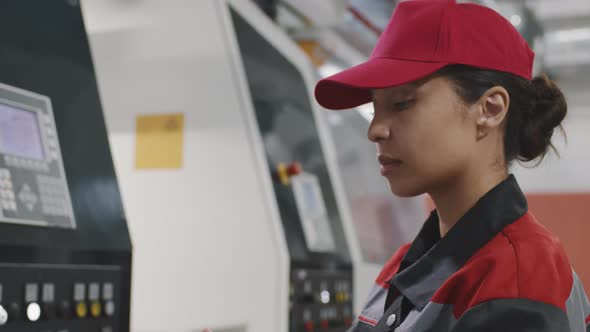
x: 423, y: 134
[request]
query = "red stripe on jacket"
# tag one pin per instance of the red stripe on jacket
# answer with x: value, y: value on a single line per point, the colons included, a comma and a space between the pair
x: 392, y: 266
x: 523, y: 261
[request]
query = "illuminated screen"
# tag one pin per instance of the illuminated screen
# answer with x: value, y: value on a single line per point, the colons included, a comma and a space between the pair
x: 19, y: 133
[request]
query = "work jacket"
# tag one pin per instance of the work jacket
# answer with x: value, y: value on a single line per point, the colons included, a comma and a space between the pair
x: 497, y: 269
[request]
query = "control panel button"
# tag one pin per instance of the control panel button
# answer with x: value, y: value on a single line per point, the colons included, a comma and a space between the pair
x: 64, y: 310
x: 81, y: 310
x: 49, y: 311
x: 96, y: 309
x: 79, y: 292
x: 109, y: 308
x: 107, y: 291
x: 31, y: 293
x: 48, y: 293
x: 14, y: 311
x: 3, y: 315
x: 325, y: 297
x: 27, y: 197
x: 107, y: 328
x: 33, y: 312
x: 93, y: 292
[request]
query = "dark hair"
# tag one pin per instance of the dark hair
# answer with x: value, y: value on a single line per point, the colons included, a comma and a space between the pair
x: 536, y: 108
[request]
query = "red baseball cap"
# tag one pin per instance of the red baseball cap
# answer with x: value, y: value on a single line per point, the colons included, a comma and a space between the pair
x: 422, y: 37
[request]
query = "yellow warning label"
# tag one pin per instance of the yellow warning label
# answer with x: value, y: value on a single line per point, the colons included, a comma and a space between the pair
x: 159, y: 141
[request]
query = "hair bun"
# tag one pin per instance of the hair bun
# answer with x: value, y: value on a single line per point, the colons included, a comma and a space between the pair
x: 548, y: 110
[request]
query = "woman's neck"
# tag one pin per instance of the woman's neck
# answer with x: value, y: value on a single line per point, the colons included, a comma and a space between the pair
x: 455, y: 198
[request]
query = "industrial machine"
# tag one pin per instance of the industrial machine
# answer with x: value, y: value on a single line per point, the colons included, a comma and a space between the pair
x: 320, y: 263
x: 246, y: 226
x: 65, y: 251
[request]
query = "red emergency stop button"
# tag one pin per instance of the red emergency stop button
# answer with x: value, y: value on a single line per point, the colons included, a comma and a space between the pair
x: 308, y: 326
x: 294, y: 169
x: 284, y: 172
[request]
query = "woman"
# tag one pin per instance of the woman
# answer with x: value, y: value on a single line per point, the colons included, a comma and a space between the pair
x: 455, y: 105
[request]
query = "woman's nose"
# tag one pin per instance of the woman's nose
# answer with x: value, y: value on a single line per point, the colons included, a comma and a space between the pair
x: 378, y: 132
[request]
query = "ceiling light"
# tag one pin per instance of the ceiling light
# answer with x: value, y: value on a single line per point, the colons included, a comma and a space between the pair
x: 516, y: 20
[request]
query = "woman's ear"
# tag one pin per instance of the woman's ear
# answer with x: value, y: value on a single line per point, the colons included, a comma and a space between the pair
x: 493, y: 106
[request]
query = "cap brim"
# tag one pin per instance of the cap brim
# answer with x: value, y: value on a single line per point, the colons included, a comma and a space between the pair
x: 352, y: 87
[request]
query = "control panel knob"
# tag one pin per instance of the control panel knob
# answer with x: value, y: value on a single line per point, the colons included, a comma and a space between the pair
x: 3, y: 315
x: 33, y: 312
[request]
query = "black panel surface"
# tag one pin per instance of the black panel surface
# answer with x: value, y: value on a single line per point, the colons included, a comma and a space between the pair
x: 44, y: 49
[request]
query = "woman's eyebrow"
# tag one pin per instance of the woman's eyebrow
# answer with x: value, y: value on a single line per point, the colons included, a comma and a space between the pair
x: 406, y: 90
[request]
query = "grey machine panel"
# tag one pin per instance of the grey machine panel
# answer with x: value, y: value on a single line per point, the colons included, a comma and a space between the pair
x: 33, y: 185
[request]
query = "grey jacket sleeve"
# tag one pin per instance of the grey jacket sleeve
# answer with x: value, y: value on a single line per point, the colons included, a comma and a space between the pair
x: 513, y: 315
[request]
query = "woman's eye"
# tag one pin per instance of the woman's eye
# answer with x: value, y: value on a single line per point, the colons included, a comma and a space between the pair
x: 402, y: 105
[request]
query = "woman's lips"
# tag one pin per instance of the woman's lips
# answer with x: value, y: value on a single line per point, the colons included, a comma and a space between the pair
x: 389, y: 165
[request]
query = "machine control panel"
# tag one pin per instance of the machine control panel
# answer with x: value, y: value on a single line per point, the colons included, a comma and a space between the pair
x: 320, y: 300
x: 33, y: 185
x: 59, y: 298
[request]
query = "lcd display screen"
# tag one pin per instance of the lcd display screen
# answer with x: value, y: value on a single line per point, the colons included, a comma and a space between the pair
x: 20, y: 134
